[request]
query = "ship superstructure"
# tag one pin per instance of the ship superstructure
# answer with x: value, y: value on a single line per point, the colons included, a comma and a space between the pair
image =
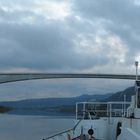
x: 106, y: 120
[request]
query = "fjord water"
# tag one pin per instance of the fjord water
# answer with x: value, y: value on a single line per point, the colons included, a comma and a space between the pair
x: 16, y: 127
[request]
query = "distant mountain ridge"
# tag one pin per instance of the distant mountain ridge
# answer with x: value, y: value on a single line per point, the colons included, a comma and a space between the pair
x: 119, y: 96
x: 61, y: 106
x: 53, y: 102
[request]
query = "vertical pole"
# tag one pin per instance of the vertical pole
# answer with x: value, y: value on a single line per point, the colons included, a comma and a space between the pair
x: 136, y: 96
x: 84, y: 110
x: 107, y: 110
x: 124, y: 105
x: 110, y: 110
x: 110, y: 113
x: 76, y: 111
x: 136, y: 64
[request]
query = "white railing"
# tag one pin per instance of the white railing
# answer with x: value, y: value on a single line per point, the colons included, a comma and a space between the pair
x: 64, y: 135
x: 94, y: 110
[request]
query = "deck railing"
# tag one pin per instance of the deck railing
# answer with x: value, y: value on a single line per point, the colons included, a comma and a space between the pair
x: 64, y: 134
x: 94, y: 110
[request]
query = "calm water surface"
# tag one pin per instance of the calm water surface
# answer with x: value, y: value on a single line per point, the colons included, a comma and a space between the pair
x: 14, y: 127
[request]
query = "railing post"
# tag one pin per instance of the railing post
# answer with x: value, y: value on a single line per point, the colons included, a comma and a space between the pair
x: 76, y: 111
x: 107, y: 110
x: 110, y: 107
x: 84, y: 110
x: 110, y: 114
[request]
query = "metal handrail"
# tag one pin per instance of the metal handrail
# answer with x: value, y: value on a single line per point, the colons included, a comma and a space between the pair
x: 66, y: 131
x: 110, y: 107
x: 60, y: 133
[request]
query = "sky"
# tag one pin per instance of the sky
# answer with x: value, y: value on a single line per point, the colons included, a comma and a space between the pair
x: 69, y: 36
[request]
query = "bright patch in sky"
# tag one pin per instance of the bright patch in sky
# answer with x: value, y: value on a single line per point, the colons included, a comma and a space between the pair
x: 137, y: 2
x: 52, y: 9
x: 107, y: 46
x: 32, y: 11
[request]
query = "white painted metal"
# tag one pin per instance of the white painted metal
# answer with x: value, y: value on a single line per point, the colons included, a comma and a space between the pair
x: 107, y: 120
x: 104, y: 127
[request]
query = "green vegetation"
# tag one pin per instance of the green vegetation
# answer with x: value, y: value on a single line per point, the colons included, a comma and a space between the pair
x: 67, y: 109
x: 4, y: 109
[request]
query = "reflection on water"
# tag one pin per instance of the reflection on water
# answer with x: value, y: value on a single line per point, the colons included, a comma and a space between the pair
x: 14, y: 127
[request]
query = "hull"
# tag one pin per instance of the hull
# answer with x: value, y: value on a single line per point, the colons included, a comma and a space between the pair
x: 104, y: 129
x: 106, y: 120
x: 103, y: 121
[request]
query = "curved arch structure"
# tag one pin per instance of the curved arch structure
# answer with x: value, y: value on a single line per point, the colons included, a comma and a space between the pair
x: 13, y: 77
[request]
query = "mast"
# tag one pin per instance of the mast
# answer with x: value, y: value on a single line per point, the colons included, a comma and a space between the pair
x: 136, y: 64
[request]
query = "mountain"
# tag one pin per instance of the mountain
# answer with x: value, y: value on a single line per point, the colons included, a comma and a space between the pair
x: 49, y: 106
x: 119, y: 96
x: 61, y: 106
x: 4, y: 109
x: 53, y: 102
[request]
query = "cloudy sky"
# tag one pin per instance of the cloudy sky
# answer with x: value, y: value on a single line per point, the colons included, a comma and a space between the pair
x: 89, y: 36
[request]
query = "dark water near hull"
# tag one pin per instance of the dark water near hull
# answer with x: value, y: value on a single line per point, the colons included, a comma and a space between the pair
x: 14, y: 127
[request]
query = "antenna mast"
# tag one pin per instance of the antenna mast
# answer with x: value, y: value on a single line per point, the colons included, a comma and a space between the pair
x: 136, y: 64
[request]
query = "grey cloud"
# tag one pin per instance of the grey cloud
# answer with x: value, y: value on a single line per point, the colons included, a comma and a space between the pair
x: 119, y: 11
x: 120, y: 17
x: 44, y: 46
x: 40, y: 47
x: 50, y: 45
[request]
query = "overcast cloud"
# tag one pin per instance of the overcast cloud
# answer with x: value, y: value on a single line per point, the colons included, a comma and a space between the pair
x: 93, y: 36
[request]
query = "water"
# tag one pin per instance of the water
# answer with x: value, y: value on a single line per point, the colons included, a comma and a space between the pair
x: 14, y: 127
